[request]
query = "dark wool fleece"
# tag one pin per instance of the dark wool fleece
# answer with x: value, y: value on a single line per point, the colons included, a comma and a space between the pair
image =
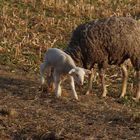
x: 106, y: 41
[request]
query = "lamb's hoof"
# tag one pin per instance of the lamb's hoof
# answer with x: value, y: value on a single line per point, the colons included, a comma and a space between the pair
x: 77, y: 98
x: 88, y: 92
x: 58, y: 96
x: 104, y: 95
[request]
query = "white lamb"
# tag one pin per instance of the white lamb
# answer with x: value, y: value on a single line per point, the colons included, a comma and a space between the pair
x: 63, y: 65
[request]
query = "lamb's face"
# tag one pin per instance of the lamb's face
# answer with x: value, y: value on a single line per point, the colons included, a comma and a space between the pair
x: 79, y: 75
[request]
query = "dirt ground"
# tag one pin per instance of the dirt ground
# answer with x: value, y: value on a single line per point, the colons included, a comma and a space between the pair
x: 28, y: 114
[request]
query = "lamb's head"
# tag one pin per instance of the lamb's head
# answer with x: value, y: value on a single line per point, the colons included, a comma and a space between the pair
x: 79, y: 74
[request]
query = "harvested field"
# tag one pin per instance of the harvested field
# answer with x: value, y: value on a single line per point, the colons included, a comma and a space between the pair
x: 27, y: 113
x: 28, y: 28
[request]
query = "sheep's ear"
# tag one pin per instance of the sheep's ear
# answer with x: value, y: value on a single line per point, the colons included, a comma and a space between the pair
x: 72, y: 71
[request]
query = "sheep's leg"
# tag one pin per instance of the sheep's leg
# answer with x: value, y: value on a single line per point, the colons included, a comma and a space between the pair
x: 102, y: 77
x: 90, y: 81
x: 73, y: 87
x: 138, y: 85
x: 57, y: 82
x: 125, y: 78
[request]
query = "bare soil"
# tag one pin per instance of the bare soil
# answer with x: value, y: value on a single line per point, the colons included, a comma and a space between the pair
x: 28, y: 114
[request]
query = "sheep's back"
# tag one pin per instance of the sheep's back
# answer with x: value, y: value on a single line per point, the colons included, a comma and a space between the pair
x: 110, y: 40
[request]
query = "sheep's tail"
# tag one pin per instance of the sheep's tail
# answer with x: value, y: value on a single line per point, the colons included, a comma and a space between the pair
x: 43, y: 67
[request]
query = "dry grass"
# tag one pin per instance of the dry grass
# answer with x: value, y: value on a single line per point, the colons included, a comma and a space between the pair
x: 29, y: 27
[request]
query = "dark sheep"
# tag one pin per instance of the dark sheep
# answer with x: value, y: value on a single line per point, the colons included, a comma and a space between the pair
x: 108, y: 41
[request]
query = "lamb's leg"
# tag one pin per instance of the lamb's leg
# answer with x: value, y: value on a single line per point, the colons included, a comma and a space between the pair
x: 43, y: 67
x: 102, y: 77
x: 90, y: 81
x: 73, y: 87
x: 57, y: 82
x: 125, y: 78
x: 138, y: 85
x: 50, y: 79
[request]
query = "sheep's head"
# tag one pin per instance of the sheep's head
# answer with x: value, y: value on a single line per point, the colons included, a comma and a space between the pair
x: 79, y: 74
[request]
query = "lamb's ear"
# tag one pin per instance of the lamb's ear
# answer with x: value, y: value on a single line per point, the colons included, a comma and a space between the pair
x: 72, y: 71
x: 87, y: 71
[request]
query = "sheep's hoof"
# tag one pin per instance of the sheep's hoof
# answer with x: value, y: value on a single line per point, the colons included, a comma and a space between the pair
x: 136, y: 99
x: 43, y: 88
x: 103, y: 96
x: 121, y: 96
